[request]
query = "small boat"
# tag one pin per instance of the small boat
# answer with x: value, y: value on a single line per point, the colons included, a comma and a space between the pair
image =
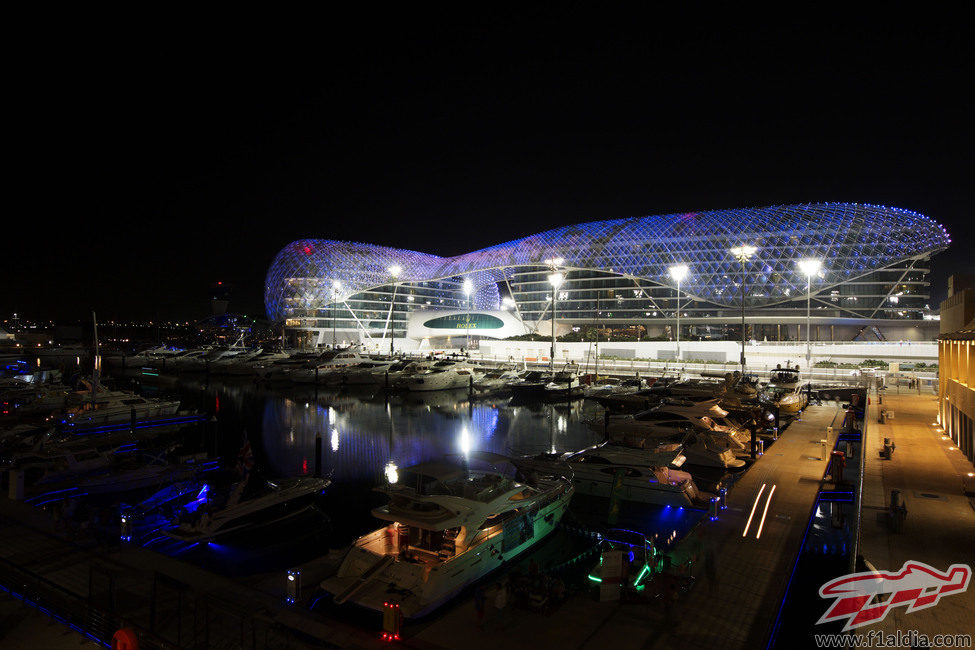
x: 448, y: 525
x: 281, y: 500
x: 637, y: 553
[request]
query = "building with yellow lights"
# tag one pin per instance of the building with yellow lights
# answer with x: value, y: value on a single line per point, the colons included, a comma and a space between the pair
x: 956, y: 360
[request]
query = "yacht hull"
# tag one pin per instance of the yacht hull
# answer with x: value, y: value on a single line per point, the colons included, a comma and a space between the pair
x: 419, y: 588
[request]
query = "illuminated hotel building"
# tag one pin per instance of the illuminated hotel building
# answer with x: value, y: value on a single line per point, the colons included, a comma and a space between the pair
x: 872, y: 285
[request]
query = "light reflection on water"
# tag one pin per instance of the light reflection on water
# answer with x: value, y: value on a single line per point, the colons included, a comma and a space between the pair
x: 361, y: 437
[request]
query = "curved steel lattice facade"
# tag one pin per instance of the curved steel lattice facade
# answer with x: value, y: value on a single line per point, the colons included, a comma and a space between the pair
x: 872, y: 268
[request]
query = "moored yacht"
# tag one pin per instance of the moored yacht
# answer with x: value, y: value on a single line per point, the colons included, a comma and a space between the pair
x: 104, y: 406
x: 283, y: 499
x: 448, y: 525
x: 785, y: 390
x: 442, y: 378
x: 644, y: 475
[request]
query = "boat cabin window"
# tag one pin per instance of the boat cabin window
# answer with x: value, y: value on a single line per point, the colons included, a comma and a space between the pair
x: 599, y: 460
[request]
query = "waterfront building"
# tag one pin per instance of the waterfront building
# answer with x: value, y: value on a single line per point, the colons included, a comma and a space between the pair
x: 956, y: 364
x: 872, y: 284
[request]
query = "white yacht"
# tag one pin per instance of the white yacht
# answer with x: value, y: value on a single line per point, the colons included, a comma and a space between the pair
x: 280, y: 370
x: 448, y: 525
x: 647, y: 475
x: 102, y: 406
x: 283, y: 499
x: 253, y: 365
x: 328, y: 366
x: 442, y: 378
x: 496, y: 380
x: 228, y: 363
x: 398, y: 378
x: 360, y: 374
x: 563, y: 385
x: 704, y: 443
x: 786, y: 390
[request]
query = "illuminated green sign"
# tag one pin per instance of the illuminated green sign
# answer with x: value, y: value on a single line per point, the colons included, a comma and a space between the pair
x: 465, y: 321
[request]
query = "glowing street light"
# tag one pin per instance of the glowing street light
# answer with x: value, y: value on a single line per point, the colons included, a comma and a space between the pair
x: 809, y: 268
x: 742, y: 254
x: 678, y: 272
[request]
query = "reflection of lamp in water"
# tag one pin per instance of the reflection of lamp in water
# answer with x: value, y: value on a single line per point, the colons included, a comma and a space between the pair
x: 335, y: 439
x: 465, y: 441
x: 391, y: 474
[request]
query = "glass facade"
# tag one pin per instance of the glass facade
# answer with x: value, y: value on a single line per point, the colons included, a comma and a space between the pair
x: 874, y: 266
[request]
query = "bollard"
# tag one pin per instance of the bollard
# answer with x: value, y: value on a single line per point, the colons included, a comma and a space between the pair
x: 822, y: 449
x: 723, y: 498
x: 714, y: 508
x: 132, y: 421
x: 293, y: 586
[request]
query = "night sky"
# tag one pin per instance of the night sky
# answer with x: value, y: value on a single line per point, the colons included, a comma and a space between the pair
x: 158, y: 162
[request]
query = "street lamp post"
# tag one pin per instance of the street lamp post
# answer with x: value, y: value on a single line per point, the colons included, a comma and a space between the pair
x: 810, y: 268
x: 394, y: 271
x: 678, y: 272
x: 555, y: 279
x: 336, y: 287
x: 468, y: 288
x: 742, y: 253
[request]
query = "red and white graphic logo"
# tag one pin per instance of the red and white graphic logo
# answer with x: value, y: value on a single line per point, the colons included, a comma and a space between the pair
x: 865, y: 598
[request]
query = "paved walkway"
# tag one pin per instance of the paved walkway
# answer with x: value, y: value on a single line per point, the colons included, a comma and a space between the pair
x: 940, y: 526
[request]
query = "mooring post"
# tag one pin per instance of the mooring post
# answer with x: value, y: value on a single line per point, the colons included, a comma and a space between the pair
x: 318, y: 455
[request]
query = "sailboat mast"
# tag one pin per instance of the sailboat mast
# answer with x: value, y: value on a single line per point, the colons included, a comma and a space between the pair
x: 96, y: 364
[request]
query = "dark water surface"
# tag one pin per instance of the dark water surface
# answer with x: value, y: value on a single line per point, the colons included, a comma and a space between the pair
x: 365, y: 434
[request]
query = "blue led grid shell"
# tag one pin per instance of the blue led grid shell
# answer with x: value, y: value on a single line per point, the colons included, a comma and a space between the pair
x: 851, y: 239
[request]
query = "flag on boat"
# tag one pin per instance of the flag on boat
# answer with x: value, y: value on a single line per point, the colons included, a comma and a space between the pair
x: 245, y: 458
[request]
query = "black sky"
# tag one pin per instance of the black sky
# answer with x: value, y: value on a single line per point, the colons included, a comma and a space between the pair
x: 157, y: 158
